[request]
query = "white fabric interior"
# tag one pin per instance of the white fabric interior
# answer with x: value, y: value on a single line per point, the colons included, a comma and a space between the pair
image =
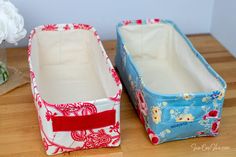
x: 165, y: 61
x: 70, y: 67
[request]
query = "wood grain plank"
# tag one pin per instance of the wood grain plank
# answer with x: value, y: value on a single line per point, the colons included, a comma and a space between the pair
x: 206, y: 44
x: 19, y: 132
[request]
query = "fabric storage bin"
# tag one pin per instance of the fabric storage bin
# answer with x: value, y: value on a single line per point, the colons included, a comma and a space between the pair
x: 75, y: 88
x: 176, y: 93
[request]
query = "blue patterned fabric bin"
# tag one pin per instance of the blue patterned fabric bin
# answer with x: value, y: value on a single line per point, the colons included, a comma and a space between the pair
x: 176, y: 93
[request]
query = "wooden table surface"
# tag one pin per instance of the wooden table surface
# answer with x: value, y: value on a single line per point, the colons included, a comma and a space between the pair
x: 19, y: 131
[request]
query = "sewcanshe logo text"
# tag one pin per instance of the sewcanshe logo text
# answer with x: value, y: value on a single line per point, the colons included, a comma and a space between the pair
x: 208, y: 147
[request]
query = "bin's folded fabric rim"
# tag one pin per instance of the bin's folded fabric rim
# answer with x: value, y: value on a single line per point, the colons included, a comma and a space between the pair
x: 65, y: 27
x: 197, y: 54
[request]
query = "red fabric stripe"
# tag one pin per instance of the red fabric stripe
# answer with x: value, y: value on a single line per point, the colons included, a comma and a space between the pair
x: 98, y: 120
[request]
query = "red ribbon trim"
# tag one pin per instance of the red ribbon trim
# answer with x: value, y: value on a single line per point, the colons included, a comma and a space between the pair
x: 98, y: 120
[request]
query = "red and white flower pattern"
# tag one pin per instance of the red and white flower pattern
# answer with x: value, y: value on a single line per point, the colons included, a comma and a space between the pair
x: 82, y: 26
x: 115, y: 76
x: 142, y: 106
x: 215, y: 126
x: 211, y: 114
x: 66, y: 27
x: 51, y: 27
x: 65, y: 141
x: 153, y: 137
x: 140, y: 21
x: 127, y: 22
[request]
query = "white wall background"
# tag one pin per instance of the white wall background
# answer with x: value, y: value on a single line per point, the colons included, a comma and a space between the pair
x: 224, y: 23
x: 192, y: 16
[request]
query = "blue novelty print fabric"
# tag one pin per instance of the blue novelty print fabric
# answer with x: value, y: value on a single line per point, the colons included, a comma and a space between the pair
x: 172, y: 116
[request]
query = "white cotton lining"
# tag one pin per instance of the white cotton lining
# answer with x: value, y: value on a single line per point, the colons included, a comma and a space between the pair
x: 165, y: 61
x: 69, y: 67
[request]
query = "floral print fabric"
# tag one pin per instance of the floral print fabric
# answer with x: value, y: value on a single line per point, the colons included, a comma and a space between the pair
x: 56, y: 142
x: 169, y: 117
